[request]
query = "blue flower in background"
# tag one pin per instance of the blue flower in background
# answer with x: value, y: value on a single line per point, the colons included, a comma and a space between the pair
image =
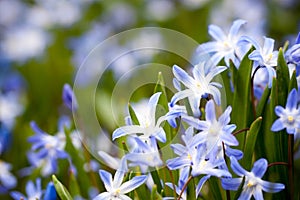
x: 198, y: 86
x: 225, y: 46
x: 253, y: 185
x: 50, y: 193
x: 289, y: 117
x: 7, y: 180
x: 114, y: 187
x: 32, y: 191
x: 69, y: 97
x: 264, y: 56
x: 46, y: 149
x: 292, y: 55
x: 148, y: 126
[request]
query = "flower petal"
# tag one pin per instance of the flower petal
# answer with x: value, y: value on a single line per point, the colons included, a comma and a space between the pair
x: 292, y: 100
x: 125, y: 130
x: 180, y: 95
x: 106, y: 179
x: 277, y: 125
x: 235, y: 28
x: 102, y: 196
x: 260, y: 167
x: 231, y: 183
x: 268, y: 46
x: 153, y: 103
x: 200, y: 184
x: 210, y: 111
x: 183, y: 77
x: 132, y: 184
x: 258, y: 195
x: 216, y: 32
x: 236, y: 167
x: 271, y: 187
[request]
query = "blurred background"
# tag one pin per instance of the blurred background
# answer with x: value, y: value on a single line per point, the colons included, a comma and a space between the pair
x: 44, y: 42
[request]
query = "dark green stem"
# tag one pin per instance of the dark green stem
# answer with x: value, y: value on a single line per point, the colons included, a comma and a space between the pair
x: 240, y: 131
x: 278, y: 163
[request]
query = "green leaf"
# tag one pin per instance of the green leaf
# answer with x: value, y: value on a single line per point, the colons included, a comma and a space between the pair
x: 154, y: 194
x: 283, y: 78
x: 214, y: 188
x: 61, y: 190
x: 241, y: 97
x: 156, y: 179
x: 73, y: 186
x: 263, y: 102
x: 250, y: 143
x: 160, y: 87
x: 293, y: 82
x: 133, y: 115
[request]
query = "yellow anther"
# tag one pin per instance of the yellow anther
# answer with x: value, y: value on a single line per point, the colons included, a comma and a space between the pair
x: 189, y: 156
x: 290, y: 118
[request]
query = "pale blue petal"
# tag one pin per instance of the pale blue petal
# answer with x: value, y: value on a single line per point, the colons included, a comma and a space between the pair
x: 298, y: 38
x: 258, y: 195
x: 277, y: 125
x: 179, y: 162
x: 200, y: 184
x: 229, y: 139
x: 124, y: 197
x: 271, y: 74
x: 216, y: 94
x: 195, y: 104
x: 118, y: 178
x: 246, y: 194
x: 132, y: 184
x: 102, y: 196
x: 36, y: 129
x: 160, y: 135
x: 196, y: 123
x: 106, y: 179
x: 255, y: 55
x: 176, y: 84
x: 260, y: 167
x: 178, y: 149
x: 183, y: 77
x: 210, y: 111
x: 268, y: 46
x: 292, y: 100
x: 126, y: 130
x: 225, y: 117
x: 216, y: 32
x: 236, y: 167
x: 17, y: 195
x: 271, y: 187
x: 280, y: 111
x: 109, y: 160
x: 238, y: 154
x: 30, y: 188
x: 152, y: 103
x: 249, y: 40
x: 197, y: 139
x: 216, y: 58
x: 235, y: 28
x: 180, y: 95
x: 231, y: 183
x: 208, y: 47
x: 215, y: 71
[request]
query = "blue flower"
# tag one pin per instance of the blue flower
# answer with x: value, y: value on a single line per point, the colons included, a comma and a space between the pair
x: 69, y: 97
x: 198, y: 86
x: 264, y: 56
x: 114, y: 187
x: 7, y: 180
x: 225, y: 46
x: 216, y: 132
x: 50, y: 193
x: 46, y: 149
x: 32, y: 191
x: 253, y: 185
x: 148, y: 126
x: 292, y: 55
x: 183, y: 177
x: 289, y: 117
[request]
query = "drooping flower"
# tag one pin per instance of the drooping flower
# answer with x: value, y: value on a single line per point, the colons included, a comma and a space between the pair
x: 224, y: 46
x: 217, y: 132
x: 148, y: 126
x: 198, y: 86
x: 253, y: 185
x: 115, y: 188
x: 264, y: 56
x: 289, y: 117
x: 32, y: 191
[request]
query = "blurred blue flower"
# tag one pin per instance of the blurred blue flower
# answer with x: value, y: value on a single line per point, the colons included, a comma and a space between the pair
x: 217, y: 132
x: 198, y: 86
x: 50, y: 193
x: 7, y: 179
x: 289, y: 117
x: 292, y: 55
x: 264, y: 56
x: 69, y: 98
x: 5, y: 138
x: 148, y: 126
x: 253, y: 185
x: 114, y: 187
x: 46, y: 149
x: 225, y: 46
x: 32, y: 191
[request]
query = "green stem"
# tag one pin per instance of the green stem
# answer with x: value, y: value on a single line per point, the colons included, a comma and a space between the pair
x: 224, y: 155
x: 240, y: 131
x: 184, y: 187
x: 278, y: 163
x: 173, y: 183
x: 291, y: 165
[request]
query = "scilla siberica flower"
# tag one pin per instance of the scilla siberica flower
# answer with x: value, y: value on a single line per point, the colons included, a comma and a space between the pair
x: 114, y: 187
x: 264, y: 56
x: 69, y: 98
x: 7, y: 180
x: 216, y: 131
x: 32, y: 191
x: 46, y: 149
x: 292, y: 55
x: 253, y: 185
x: 183, y: 177
x: 147, y: 123
x: 289, y: 117
x: 198, y: 86
x: 225, y: 46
